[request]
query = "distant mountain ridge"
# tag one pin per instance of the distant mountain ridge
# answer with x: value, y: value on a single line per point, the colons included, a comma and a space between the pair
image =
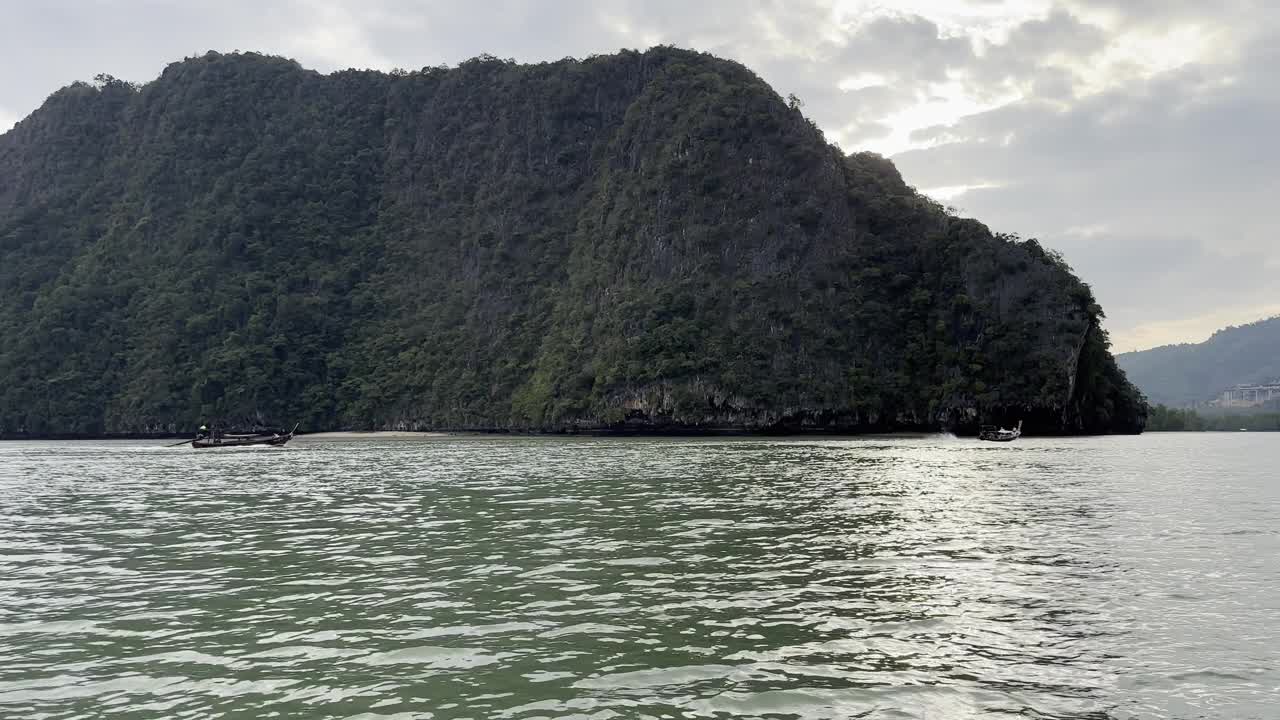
x: 650, y: 241
x: 1186, y: 374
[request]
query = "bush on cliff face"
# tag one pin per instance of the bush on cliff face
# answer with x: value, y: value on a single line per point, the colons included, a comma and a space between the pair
x: 648, y: 239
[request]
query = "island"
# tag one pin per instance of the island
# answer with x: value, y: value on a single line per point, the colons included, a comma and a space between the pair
x: 642, y: 241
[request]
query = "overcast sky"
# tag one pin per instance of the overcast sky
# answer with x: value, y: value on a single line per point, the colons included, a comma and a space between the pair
x: 1139, y: 137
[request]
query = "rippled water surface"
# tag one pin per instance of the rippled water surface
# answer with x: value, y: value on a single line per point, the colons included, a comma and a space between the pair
x: 643, y: 578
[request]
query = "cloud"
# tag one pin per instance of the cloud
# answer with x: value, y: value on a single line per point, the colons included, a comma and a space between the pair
x: 1179, y: 168
x: 1195, y: 284
x: 1040, y: 52
x: 1133, y: 135
x: 1193, y: 328
x: 911, y: 49
x: 1164, y: 13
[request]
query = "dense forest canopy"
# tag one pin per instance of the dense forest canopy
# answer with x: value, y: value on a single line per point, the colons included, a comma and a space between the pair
x: 642, y: 240
x: 1179, y: 375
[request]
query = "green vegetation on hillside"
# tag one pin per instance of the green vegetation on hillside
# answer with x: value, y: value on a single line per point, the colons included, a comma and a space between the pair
x: 1187, y: 374
x: 1166, y: 419
x: 651, y: 240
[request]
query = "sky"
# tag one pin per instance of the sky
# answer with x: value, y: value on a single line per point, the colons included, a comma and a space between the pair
x: 1138, y: 137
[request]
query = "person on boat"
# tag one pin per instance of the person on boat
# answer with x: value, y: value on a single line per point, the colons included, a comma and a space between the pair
x: 202, y: 432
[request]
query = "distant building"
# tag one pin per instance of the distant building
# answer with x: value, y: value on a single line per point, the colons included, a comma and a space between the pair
x: 1249, y: 395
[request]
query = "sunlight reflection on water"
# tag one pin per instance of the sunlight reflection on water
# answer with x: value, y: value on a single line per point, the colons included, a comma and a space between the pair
x: 575, y: 577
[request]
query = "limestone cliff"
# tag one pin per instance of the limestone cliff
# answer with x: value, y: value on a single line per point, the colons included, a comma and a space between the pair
x: 643, y: 240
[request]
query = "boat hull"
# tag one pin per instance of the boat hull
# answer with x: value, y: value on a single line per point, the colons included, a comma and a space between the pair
x: 991, y: 433
x: 226, y: 442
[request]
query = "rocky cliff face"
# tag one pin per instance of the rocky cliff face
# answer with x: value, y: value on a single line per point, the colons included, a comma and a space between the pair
x: 644, y: 240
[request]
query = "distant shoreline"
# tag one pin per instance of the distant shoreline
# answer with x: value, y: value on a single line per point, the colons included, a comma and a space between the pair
x: 442, y: 434
x: 619, y: 433
x: 334, y: 435
x: 377, y: 435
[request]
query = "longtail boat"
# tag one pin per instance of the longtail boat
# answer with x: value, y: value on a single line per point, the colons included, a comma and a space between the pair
x: 995, y: 434
x: 225, y: 440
